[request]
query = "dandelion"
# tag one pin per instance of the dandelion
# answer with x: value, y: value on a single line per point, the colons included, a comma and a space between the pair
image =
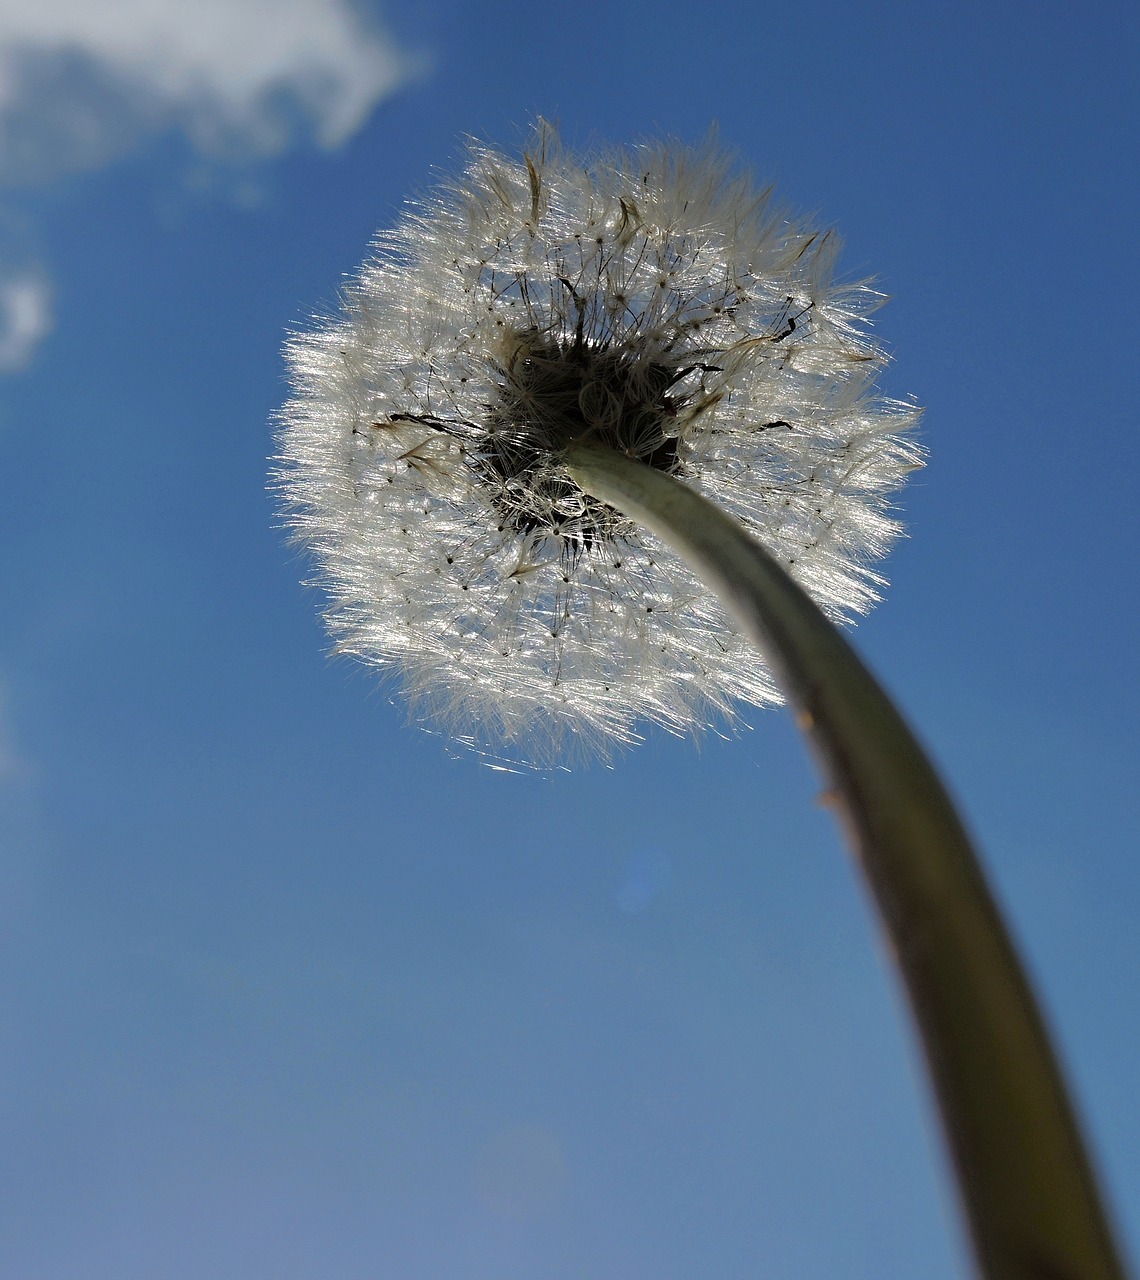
x: 586, y: 432
x: 648, y: 299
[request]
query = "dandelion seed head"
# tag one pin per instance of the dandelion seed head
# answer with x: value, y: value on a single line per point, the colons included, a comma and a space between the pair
x: 648, y: 298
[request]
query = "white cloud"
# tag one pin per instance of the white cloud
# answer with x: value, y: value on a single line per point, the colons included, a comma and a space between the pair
x: 84, y: 80
x: 25, y: 319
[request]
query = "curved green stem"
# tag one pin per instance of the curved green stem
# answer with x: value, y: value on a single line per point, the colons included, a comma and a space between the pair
x: 1028, y: 1190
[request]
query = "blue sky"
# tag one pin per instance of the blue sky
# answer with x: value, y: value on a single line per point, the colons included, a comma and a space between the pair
x: 291, y: 990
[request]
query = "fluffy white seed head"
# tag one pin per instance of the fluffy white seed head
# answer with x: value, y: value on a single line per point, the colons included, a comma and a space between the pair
x: 648, y: 298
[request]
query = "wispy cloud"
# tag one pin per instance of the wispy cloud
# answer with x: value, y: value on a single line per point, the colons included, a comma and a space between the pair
x: 25, y: 320
x: 83, y: 82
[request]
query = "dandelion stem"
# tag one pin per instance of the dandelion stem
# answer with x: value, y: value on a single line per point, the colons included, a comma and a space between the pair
x: 1025, y: 1180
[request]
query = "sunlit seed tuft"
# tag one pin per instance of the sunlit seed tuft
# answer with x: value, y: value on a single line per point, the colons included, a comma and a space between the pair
x: 647, y: 298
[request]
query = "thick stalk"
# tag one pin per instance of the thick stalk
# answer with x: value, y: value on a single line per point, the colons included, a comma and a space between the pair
x: 1026, y: 1184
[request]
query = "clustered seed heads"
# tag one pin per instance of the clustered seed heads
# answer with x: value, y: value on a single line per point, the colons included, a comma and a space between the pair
x: 649, y: 299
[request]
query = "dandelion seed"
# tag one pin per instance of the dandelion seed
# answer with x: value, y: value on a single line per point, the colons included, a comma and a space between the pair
x: 649, y: 299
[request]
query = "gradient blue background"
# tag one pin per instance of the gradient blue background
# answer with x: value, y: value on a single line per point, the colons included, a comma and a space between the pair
x: 287, y: 990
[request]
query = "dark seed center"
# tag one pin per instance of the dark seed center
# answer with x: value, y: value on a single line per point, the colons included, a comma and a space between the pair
x: 553, y: 393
